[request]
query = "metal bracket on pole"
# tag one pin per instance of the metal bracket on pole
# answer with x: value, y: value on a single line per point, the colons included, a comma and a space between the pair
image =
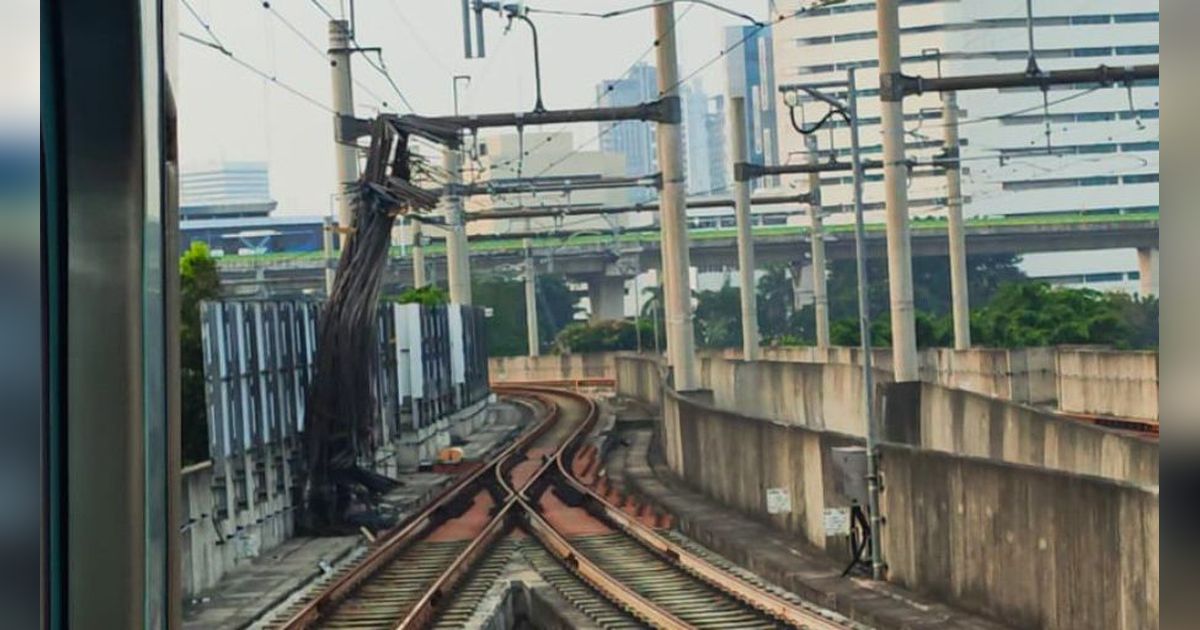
x: 351, y: 128
x: 447, y: 130
x: 746, y: 171
x: 894, y: 86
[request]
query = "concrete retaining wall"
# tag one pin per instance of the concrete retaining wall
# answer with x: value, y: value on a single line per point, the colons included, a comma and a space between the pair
x: 1026, y: 375
x: 553, y: 367
x: 967, y: 423
x: 1029, y: 546
x: 1033, y: 547
x: 638, y: 377
x: 212, y: 542
x: 1112, y: 383
x: 1123, y: 384
x: 829, y: 396
x: 735, y: 460
x: 238, y: 508
x: 818, y: 396
x: 1084, y: 381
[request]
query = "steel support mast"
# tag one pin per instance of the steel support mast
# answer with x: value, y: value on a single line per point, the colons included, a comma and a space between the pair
x: 676, y: 262
x: 864, y: 331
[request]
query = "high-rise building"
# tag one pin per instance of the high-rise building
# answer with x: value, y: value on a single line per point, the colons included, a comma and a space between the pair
x: 225, y: 190
x: 750, y: 72
x: 1092, y: 150
x: 704, y: 141
x: 633, y: 139
x: 550, y: 156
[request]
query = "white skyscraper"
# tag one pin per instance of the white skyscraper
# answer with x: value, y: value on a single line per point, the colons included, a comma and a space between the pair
x: 1103, y: 142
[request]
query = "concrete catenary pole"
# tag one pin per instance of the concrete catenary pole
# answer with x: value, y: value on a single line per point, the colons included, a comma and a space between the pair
x: 895, y: 182
x: 531, y: 314
x: 745, y: 240
x: 346, y: 154
x: 676, y: 262
x: 959, y: 298
x: 418, y: 256
x: 458, y: 265
x: 820, y: 294
x: 864, y: 331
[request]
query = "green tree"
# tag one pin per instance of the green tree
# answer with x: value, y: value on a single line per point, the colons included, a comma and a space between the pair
x: 506, y: 297
x: 606, y: 336
x: 198, y: 281
x: 779, y: 322
x: 1141, y: 314
x: 719, y: 317
x: 1030, y: 314
x: 932, y: 331
x: 931, y: 283
x: 1036, y: 314
x: 428, y: 295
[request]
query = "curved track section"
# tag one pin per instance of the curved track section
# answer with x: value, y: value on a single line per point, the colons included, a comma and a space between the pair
x: 400, y: 580
x: 610, y: 565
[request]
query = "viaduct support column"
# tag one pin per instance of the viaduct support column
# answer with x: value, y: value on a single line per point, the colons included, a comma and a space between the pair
x: 676, y: 262
x: 820, y: 295
x: 745, y: 239
x: 607, y: 295
x: 959, y: 298
x: 1148, y: 271
x: 895, y: 177
x: 802, y: 287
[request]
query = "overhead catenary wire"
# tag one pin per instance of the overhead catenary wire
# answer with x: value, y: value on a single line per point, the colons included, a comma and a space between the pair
x: 261, y: 73
x: 204, y: 24
x: 641, y: 7
x: 755, y: 31
x: 605, y: 130
x: 380, y: 67
x: 311, y: 45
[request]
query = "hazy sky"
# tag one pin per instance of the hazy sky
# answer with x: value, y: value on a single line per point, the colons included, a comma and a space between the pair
x: 228, y: 113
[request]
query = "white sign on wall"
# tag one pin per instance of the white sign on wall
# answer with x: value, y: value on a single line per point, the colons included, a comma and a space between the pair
x: 779, y: 501
x: 837, y: 521
x: 247, y: 545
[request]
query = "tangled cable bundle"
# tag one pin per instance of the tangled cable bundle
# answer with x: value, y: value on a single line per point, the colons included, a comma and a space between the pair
x: 341, y: 400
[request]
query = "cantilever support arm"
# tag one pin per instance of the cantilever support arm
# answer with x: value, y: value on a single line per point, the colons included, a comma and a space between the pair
x: 448, y: 130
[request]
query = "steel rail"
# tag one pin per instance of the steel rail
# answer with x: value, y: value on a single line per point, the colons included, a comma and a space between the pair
x: 423, y: 612
x: 576, y: 562
x: 696, y: 566
x: 406, y: 533
x: 598, y: 578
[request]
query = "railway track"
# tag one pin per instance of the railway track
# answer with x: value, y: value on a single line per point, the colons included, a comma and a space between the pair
x: 607, y: 561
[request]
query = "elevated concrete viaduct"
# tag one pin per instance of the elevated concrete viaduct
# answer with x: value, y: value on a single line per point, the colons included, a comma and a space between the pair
x: 585, y: 261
